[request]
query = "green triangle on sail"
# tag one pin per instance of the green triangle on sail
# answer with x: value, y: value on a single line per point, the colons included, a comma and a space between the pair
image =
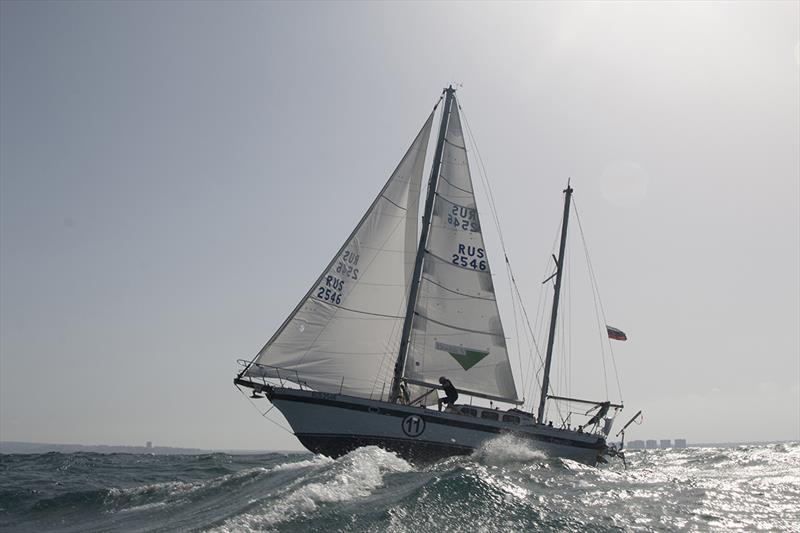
x: 469, y: 358
x: 466, y: 357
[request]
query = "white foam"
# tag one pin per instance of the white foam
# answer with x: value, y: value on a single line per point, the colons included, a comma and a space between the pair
x: 508, y: 449
x: 171, y: 492
x: 318, y: 460
x: 349, y: 478
x: 145, y: 507
x: 171, y: 488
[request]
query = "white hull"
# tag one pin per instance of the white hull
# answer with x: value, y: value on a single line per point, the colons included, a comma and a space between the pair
x: 334, y: 424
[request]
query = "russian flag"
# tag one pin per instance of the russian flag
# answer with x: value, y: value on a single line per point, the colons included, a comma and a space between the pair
x: 616, y: 334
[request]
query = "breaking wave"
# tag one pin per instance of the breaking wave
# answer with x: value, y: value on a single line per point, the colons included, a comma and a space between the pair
x: 507, y: 448
x: 506, y: 485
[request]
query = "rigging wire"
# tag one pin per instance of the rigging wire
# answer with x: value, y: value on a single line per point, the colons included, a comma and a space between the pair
x: 598, y: 318
x: 599, y: 302
x: 518, y: 344
x: 547, y: 295
x: 265, y: 413
x: 568, y: 379
x: 566, y: 290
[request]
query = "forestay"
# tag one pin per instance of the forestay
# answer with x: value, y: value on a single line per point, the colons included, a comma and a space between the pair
x: 348, y: 325
x: 457, y: 330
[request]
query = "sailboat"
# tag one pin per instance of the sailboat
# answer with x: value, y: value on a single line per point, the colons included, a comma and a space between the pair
x: 358, y: 361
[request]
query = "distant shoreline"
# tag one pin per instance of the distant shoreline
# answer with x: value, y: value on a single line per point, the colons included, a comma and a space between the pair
x: 15, y: 447
x: 721, y: 444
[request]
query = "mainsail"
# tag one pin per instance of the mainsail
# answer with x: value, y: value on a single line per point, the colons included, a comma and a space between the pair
x: 346, y: 331
x: 456, y: 330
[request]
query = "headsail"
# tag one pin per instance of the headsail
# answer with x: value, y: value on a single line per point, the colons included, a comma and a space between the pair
x: 456, y: 329
x: 346, y: 330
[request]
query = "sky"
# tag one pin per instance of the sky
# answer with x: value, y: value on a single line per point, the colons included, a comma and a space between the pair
x: 174, y: 176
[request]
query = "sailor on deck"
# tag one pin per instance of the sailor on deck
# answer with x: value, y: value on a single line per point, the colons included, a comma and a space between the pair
x: 405, y: 398
x: 449, y: 390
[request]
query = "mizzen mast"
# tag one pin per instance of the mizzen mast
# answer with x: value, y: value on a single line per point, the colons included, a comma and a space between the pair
x: 554, y: 314
x: 399, y: 366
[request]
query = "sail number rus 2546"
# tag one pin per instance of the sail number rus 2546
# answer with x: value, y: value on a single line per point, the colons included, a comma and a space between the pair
x: 470, y: 257
x: 346, y: 266
x: 333, y: 286
x: 464, y: 218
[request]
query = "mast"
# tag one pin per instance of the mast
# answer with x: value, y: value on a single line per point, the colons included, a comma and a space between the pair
x: 399, y: 366
x: 553, y: 315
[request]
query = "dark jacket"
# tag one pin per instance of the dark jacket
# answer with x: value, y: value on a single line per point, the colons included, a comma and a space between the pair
x: 450, y: 391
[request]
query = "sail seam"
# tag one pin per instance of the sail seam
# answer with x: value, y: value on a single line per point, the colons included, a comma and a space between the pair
x: 451, y: 143
x: 454, y: 185
x: 394, y: 204
x: 448, y: 200
x: 457, y: 327
x: 344, y: 353
x: 375, y: 284
x: 382, y: 249
x: 353, y: 310
x: 298, y: 376
x: 456, y: 292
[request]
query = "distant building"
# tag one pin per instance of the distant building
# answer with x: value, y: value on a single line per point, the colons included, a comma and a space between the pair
x: 635, y: 444
x: 680, y: 443
x: 665, y: 443
x: 651, y: 444
x: 149, y: 444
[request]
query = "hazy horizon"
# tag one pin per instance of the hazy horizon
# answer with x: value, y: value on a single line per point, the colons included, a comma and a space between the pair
x: 155, y: 445
x: 174, y: 176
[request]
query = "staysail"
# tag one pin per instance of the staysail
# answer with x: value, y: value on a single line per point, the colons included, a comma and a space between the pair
x: 345, y: 333
x: 456, y: 330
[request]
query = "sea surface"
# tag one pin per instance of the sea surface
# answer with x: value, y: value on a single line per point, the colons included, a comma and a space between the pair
x: 506, y: 486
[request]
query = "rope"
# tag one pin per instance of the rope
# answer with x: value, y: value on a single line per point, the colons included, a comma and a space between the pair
x: 516, y: 339
x: 599, y: 301
x: 484, y: 182
x: 597, y: 312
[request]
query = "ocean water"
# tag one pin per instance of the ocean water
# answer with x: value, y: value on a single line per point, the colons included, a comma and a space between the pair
x: 506, y: 486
